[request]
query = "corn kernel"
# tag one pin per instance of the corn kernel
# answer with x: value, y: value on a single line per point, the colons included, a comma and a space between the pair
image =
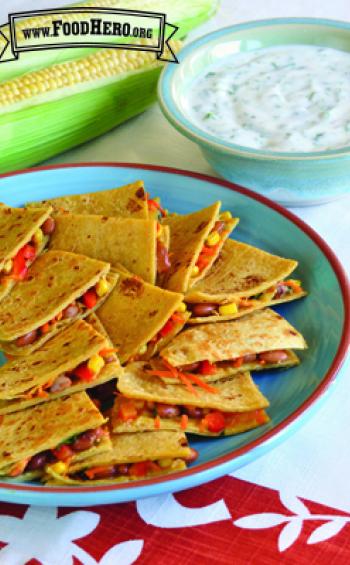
x: 102, y: 287
x: 296, y: 281
x: 7, y: 268
x: 96, y: 363
x: 213, y: 239
x: 195, y: 271
x: 143, y: 349
x: 182, y: 307
x: 225, y: 216
x: 227, y: 309
x: 60, y: 467
x: 164, y: 463
x: 38, y: 237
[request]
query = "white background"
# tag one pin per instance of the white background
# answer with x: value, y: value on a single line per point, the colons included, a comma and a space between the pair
x: 315, y: 462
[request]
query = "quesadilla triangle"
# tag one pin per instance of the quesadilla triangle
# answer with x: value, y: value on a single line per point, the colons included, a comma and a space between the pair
x: 141, y: 318
x: 261, y: 340
x: 75, y: 359
x: 134, y: 457
x: 65, y: 430
x: 114, y: 240
x: 60, y: 288
x: 24, y: 233
x: 242, y: 279
x: 234, y: 405
x: 128, y: 201
x: 195, y: 243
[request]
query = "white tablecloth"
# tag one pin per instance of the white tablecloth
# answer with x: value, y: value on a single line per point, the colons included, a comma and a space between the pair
x: 315, y: 462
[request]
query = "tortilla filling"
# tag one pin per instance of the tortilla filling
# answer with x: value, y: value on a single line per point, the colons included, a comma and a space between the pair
x: 139, y: 470
x: 85, y: 372
x: 154, y: 206
x: 281, y: 290
x: 60, y: 457
x: 205, y: 419
x: 212, y: 243
x: 170, y: 328
x: 86, y: 302
x: 17, y: 268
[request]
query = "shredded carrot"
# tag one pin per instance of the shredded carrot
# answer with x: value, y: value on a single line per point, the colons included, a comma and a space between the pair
x: 45, y: 328
x: 107, y: 351
x: 172, y: 369
x: 185, y: 380
x: 293, y: 285
x: 157, y: 423
x: 160, y: 373
x: 184, y: 421
x: 19, y: 467
x: 90, y: 473
x: 200, y: 383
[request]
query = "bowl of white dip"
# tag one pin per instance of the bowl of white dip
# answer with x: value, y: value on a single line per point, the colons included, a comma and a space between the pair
x: 268, y: 103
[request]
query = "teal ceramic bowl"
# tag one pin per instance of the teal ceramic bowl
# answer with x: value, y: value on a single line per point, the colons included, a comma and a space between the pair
x: 323, y: 317
x: 294, y: 179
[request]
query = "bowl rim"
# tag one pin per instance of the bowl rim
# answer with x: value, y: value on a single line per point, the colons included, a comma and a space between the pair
x: 270, y: 436
x: 183, y: 124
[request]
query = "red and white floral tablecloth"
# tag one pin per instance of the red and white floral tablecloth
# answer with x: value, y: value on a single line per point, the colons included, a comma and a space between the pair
x: 228, y: 521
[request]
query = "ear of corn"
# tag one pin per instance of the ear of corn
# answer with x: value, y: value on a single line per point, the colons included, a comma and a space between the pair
x: 49, y: 111
x: 186, y: 15
x: 53, y: 100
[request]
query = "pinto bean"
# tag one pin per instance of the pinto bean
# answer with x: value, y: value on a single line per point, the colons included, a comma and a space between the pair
x: 167, y: 410
x: 87, y: 439
x: 71, y: 311
x: 250, y: 358
x: 48, y: 226
x: 163, y: 261
x: 276, y: 356
x: 193, y: 455
x: 38, y: 461
x: 123, y: 469
x: 190, y: 367
x: 219, y: 226
x: 27, y: 339
x: 60, y: 383
x: 203, y: 309
x: 193, y: 411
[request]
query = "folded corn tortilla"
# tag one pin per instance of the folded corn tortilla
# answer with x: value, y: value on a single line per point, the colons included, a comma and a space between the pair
x: 236, y: 395
x: 43, y: 427
x: 128, y: 449
x: 17, y: 227
x: 23, y: 380
x: 135, y: 312
x: 55, y: 280
x: 261, y: 331
x: 129, y: 241
x: 188, y: 236
x: 242, y: 271
x: 126, y: 201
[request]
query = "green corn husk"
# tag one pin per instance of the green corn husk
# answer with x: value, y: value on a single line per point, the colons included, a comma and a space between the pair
x: 42, y: 115
x: 186, y: 15
x: 73, y: 95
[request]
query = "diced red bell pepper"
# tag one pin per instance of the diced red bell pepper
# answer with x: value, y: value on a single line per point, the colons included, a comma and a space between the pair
x: 127, y: 410
x: 206, y: 250
x: 236, y: 363
x: 177, y: 318
x: 28, y: 252
x: 215, y: 421
x: 207, y: 368
x: 19, y: 269
x: 202, y: 262
x: 63, y: 452
x: 167, y: 328
x: 84, y: 373
x: 142, y: 468
x: 90, y: 298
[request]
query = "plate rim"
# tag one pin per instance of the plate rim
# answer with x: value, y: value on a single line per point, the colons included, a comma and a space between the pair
x: 277, y: 431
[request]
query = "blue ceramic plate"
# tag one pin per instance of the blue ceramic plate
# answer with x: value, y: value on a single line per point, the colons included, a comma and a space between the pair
x: 322, y: 317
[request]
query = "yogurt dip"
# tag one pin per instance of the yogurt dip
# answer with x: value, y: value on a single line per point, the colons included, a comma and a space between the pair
x: 290, y: 98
